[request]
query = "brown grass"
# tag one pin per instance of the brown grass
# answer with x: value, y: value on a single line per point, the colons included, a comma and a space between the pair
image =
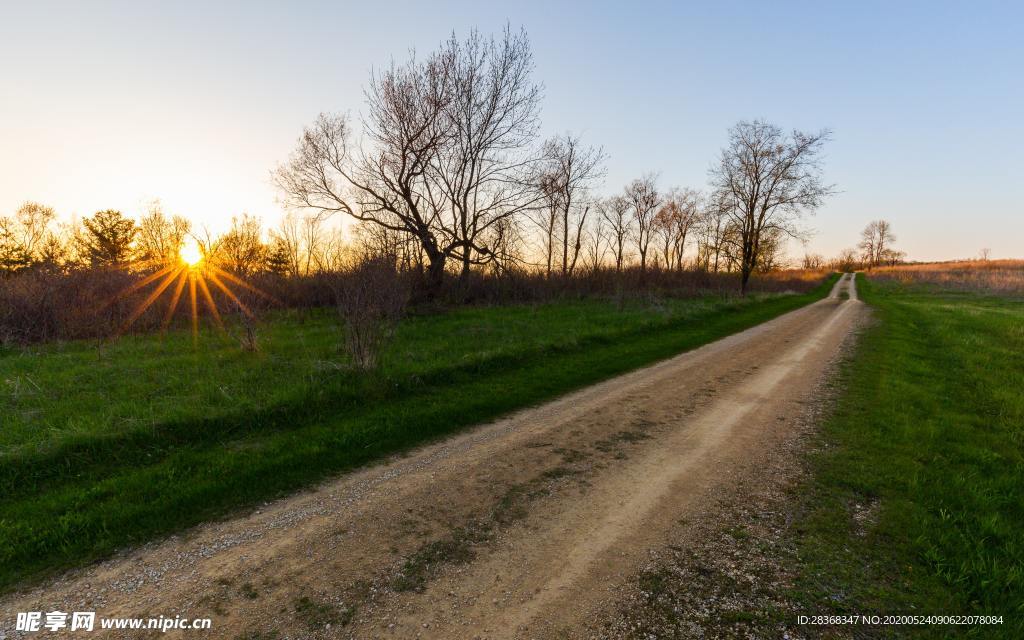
x: 996, y: 276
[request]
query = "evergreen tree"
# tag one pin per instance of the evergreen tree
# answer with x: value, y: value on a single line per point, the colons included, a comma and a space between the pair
x: 278, y: 260
x: 107, y: 238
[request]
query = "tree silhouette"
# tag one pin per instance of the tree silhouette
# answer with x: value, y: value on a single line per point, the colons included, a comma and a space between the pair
x: 107, y: 238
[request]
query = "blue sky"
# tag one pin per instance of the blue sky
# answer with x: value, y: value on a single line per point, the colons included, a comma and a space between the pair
x: 110, y: 104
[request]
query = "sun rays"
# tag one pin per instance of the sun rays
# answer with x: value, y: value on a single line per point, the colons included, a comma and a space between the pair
x: 191, y: 268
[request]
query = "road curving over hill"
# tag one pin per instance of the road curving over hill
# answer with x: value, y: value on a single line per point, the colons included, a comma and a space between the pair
x: 523, y: 528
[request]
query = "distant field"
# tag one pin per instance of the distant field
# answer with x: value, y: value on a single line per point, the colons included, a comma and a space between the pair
x: 918, y: 499
x: 992, y: 276
x: 104, y: 446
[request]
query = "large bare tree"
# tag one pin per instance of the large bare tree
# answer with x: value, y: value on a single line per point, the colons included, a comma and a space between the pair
x: 765, y: 180
x: 387, y: 184
x: 483, y: 169
x: 446, y: 155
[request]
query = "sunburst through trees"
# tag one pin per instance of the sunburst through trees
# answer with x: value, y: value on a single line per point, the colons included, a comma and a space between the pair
x: 193, y: 269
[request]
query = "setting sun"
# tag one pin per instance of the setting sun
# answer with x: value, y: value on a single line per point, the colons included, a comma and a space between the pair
x: 191, y: 254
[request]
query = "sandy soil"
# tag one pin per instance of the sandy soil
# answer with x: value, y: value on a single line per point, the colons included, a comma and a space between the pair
x: 528, y: 527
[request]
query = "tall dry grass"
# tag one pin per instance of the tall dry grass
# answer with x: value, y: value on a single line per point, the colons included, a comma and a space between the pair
x: 995, y: 276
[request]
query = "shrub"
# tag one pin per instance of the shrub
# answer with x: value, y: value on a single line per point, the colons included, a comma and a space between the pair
x: 371, y: 298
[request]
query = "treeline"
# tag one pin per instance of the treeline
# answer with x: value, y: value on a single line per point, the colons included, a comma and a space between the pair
x: 681, y: 233
x: 31, y: 238
x: 446, y: 174
x: 81, y: 280
x: 875, y: 249
x: 447, y: 184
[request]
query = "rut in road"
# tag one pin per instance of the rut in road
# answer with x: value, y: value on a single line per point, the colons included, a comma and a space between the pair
x: 520, y: 528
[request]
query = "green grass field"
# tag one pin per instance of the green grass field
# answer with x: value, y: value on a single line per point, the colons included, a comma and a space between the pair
x: 107, y: 446
x: 917, y: 502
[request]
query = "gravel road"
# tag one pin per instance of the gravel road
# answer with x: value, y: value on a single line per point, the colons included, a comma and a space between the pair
x: 528, y: 527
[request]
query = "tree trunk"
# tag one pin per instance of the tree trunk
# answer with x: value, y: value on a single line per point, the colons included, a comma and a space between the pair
x: 435, y: 273
x: 551, y: 249
x: 565, y: 242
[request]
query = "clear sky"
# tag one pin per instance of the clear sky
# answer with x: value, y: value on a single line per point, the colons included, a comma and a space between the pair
x: 108, y: 105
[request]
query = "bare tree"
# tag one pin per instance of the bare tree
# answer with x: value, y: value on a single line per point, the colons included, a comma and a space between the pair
x: 312, y: 243
x: 644, y: 199
x: 484, y: 167
x: 672, y: 224
x: 31, y: 223
x: 160, y: 238
x: 302, y: 239
x: 892, y: 257
x: 546, y: 218
x: 712, y: 233
x: 876, y: 242
x: 400, y: 246
x: 388, y: 185
x: 772, y: 257
x: 813, y: 261
x: 507, y: 245
x: 597, y: 242
x: 766, y: 180
x: 241, y: 249
x: 448, y: 156
x: 23, y: 235
x: 334, y: 253
x: 847, y: 260
x: 567, y: 173
x: 615, y: 212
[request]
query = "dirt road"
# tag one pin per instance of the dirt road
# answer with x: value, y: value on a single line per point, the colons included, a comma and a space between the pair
x: 526, y: 527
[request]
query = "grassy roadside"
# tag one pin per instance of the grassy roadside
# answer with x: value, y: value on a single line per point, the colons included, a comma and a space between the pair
x: 119, y: 465
x: 917, y: 500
